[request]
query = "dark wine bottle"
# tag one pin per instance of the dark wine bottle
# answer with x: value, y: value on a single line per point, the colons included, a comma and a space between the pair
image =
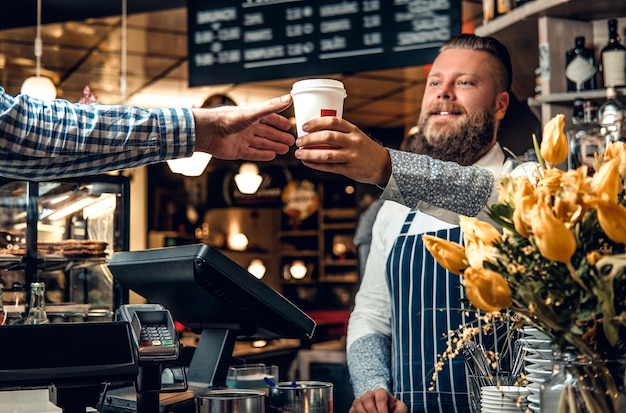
x: 580, y: 67
x: 613, y: 59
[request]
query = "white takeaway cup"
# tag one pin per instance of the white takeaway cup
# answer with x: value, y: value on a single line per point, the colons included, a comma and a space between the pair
x: 313, y: 98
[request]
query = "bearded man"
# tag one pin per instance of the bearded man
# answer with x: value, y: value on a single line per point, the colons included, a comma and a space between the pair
x: 407, y: 303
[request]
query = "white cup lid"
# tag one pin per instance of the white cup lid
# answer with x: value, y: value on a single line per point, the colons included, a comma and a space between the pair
x: 317, y: 83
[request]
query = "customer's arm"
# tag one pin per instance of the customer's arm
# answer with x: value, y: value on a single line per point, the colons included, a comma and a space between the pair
x: 55, y: 139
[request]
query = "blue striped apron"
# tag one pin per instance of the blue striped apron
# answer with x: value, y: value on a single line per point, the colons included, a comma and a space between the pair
x: 421, y: 322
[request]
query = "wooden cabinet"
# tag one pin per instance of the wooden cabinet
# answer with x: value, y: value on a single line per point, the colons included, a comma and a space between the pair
x: 323, y: 245
x: 539, y: 33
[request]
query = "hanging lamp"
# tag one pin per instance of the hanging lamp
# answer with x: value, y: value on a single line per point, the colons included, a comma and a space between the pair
x: 38, y: 86
x: 248, y: 179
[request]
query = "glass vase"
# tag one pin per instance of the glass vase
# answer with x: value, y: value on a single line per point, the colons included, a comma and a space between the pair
x: 582, y: 385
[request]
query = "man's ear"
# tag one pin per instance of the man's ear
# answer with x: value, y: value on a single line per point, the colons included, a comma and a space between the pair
x: 502, y: 104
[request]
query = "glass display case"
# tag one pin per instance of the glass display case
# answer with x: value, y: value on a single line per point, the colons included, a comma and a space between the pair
x: 62, y: 233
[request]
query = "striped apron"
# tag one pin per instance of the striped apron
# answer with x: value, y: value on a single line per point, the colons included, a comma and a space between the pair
x: 421, y: 322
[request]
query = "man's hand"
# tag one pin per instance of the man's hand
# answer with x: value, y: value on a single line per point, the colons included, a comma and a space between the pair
x: 378, y: 401
x: 254, y: 132
x: 335, y: 145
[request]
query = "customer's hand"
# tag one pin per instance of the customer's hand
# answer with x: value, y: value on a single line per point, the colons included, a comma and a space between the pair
x: 378, y: 401
x: 336, y: 145
x: 254, y: 132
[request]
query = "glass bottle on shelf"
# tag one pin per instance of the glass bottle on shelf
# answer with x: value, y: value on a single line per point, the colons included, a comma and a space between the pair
x: 37, y: 309
x: 495, y: 8
x: 503, y: 6
x: 613, y: 59
x: 578, y: 115
x: 3, y: 313
x: 580, y: 67
x: 611, y: 115
x: 585, y: 138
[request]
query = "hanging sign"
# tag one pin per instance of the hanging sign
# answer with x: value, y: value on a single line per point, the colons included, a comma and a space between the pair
x: 251, y: 40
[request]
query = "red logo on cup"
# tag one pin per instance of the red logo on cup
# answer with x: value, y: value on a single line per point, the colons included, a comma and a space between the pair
x: 328, y: 112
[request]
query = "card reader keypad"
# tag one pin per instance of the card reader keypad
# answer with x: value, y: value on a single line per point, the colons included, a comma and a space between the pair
x: 155, y: 335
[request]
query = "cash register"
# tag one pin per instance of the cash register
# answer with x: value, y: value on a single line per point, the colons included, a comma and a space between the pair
x: 212, y: 295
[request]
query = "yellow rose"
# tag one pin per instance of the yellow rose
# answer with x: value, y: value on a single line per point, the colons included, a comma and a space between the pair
x: 612, y: 220
x: 449, y: 255
x: 554, y: 240
x: 567, y: 209
x: 551, y: 181
x: 475, y: 230
x: 554, y: 146
x: 615, y: 149
x: 524, y: 199
x: 606, y: 183
x: 477, y: 253
x: 487, y: 290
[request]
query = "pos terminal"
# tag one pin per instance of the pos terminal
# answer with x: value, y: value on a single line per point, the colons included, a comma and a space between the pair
x: 212, y: 295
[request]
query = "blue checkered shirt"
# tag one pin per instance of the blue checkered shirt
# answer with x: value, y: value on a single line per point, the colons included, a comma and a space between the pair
x: 58, y: 139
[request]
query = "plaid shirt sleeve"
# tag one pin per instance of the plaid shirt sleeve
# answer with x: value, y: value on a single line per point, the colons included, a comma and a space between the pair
x: 58, y: 139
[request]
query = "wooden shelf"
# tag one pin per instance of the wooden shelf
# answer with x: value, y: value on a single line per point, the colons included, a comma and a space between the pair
x: 523, y: 32
x: 339, y: 213
x: 298, y: 253
x: 298, y: 233
x: 329, y: 280
x: 584, y: 10
x: 571, y: 96
x: 339, y: 226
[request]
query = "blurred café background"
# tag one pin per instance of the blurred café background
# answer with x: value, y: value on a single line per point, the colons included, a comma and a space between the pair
x: 294, y: 230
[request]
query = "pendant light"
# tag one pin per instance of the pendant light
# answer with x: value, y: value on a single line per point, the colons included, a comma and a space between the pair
x: 248, y: 179
x: 38, y: 86
x: 193, y: 165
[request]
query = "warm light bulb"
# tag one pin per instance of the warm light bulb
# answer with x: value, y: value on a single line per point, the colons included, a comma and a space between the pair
x: 193, y: 165
x: 39, y: 87
x: 257, y: 268
x: 248, y: 179
x: 298, y: 269
x: 238, y: 242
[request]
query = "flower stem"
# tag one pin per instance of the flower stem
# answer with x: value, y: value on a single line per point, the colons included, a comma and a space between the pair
x: 576, y: 277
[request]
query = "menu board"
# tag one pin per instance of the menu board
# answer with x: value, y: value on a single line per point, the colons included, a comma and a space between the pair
x: 235, y: 41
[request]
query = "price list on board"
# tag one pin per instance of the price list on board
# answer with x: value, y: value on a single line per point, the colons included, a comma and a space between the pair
x: 251, y: 40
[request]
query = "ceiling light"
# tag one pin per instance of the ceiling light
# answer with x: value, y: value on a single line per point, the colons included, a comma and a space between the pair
x: 238, y: 242
x: 38, y: 86
x: 298, y: 269
x: 107, y: 203
x: 248, y: 179
x: 257, y: 268
x: 71, y: 208
x: 193, y: 165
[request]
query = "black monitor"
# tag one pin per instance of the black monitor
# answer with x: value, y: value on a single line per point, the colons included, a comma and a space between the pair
x: 66, y: 353
x: 211, y: 294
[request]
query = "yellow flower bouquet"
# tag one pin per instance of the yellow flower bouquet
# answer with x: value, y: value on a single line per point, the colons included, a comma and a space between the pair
x: 559, y: 262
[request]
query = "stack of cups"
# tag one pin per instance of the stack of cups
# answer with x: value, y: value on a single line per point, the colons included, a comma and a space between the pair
x: 314, y: 98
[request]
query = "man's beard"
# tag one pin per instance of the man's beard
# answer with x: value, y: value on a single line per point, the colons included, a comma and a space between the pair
x: 463, y: 142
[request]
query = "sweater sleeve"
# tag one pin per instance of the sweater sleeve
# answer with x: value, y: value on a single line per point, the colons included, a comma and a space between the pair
x: 369, y: 361
x: 419, y: 178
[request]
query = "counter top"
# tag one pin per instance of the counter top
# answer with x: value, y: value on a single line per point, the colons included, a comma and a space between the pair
x: 29, y: 401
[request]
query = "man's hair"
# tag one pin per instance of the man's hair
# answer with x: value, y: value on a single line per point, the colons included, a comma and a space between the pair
x: 489, y: 45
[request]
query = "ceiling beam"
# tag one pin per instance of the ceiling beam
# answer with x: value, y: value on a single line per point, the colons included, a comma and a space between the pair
x: 24, y: 12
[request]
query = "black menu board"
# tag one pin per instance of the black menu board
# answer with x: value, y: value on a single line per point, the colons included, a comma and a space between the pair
x: 235, y: 41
